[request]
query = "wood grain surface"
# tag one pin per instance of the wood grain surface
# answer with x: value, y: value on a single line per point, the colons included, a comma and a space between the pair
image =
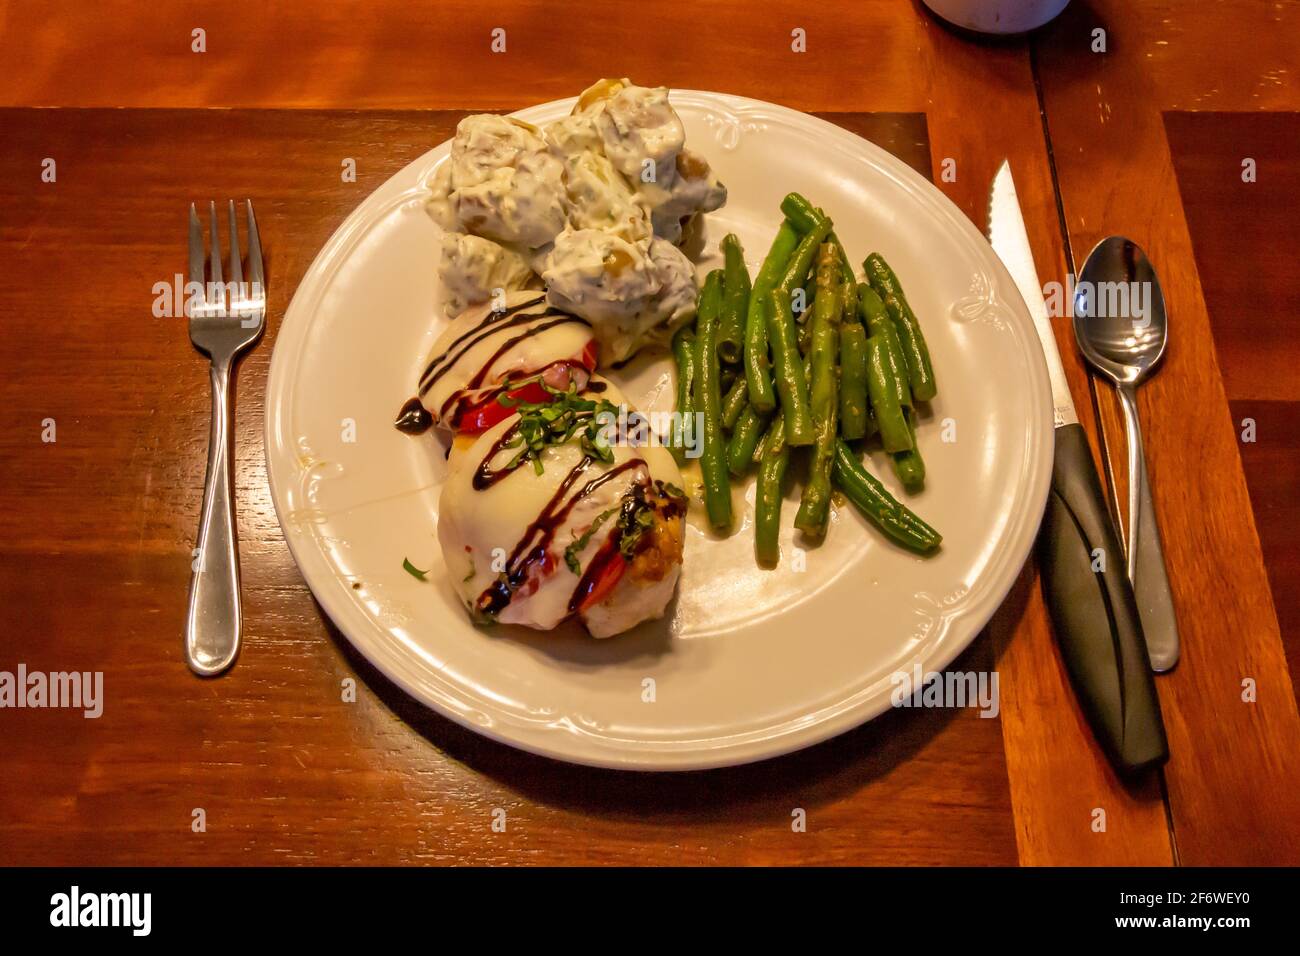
x: 1105, y: 111
x: 1246, y: 250
x: 96, y: 529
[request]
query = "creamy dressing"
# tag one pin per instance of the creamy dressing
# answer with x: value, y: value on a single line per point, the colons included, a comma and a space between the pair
x: 501, y: 182
x: 634, y: 293
x: 473, y: 268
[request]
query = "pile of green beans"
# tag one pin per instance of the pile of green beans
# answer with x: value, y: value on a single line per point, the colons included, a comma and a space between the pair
x: 765, y: 383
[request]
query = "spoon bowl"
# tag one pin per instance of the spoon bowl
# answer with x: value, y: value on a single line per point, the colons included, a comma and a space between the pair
x: 1119, y: 312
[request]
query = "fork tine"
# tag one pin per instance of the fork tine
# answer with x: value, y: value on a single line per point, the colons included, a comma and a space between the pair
x: 254, y: 253
x: 236, y: 270
x: 214, y: 260
x: 237, y: 292
x: 196, y: 251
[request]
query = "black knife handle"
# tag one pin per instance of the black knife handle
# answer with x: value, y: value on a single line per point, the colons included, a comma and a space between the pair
x: 1094, y: 612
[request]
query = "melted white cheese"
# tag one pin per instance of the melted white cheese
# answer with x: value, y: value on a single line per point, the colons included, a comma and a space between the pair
x: 479, y: 529
x: 468, y: 344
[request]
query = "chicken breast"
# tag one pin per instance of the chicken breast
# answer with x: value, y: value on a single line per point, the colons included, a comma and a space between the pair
x: 520, y: 349
x: 599, y: 540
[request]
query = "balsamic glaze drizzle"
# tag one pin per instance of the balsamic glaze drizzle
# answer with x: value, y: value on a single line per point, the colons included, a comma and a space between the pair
x: 490, y: 319
x: 477, y: 381
x: 534, y: 546
x: 414, y: 418
x: 494, y: 322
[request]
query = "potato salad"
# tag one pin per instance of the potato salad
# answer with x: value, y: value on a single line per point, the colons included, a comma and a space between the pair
x: 592, y: 207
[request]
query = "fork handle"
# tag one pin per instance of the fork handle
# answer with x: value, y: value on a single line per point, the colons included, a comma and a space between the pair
x: 213, y: 619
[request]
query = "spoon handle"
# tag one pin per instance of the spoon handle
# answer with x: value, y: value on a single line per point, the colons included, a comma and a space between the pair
x: 1146, y: 557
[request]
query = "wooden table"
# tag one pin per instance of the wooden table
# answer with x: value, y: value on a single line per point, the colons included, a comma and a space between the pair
x: 97, y: 527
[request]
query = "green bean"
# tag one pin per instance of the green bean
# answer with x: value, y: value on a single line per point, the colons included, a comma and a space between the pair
x: 799, y: 211
x: 734, y: 402
x: 790, y: 382
x: 735, y: 301
x: 761, y: 395
x: 920, y: 372
x: 708, y: 403
x: 805, y: 216
x: 796, y: 273
x: 876, y: 318
x: 894, y: 434
x: 909, y: 465
x: 768, y: 495
x: 871, y: 498
x: 849, y: 303
x: 872, y: 428
x: 684, y: 354
x: 744, y: 439
x: 814, y: 505
x: 853, y: 381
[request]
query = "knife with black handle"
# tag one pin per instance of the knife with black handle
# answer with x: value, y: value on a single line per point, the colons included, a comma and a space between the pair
x: 1093, y: 611
x: 1085, y: 582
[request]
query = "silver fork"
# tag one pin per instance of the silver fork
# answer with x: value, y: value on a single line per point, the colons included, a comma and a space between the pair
x: 225, y: 319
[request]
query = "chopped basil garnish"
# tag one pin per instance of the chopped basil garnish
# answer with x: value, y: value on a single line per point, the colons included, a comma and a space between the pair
x: 633, y: 523
x: 580, y: 544
x: 565, y: 417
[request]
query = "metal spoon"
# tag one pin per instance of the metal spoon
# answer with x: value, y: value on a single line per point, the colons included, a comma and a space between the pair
x: 1121, y: 327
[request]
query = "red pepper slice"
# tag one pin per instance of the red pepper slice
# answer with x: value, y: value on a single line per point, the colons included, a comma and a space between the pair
x: 479, y: 418
x: 602, y: 575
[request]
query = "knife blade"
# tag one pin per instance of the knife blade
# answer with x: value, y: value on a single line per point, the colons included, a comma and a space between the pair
x: 1089, y: 597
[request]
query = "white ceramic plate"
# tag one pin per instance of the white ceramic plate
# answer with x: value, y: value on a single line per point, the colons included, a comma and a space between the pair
x: 748, y: 663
